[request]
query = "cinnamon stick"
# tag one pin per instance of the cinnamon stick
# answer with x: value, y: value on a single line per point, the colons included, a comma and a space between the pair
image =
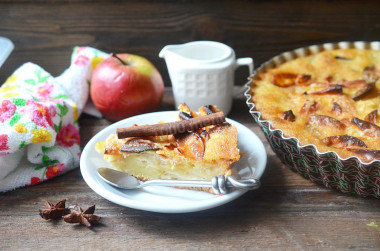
x: 171, y: 128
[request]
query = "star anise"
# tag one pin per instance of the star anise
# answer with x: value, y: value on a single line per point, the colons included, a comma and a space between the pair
x: 54, y: 211
x: 86, y: 217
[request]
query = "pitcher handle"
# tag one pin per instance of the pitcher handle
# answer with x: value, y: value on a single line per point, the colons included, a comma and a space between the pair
x: 243, y: 62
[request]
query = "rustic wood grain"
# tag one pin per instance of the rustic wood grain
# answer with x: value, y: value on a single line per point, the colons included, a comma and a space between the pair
x: 287, y: 213
x: 45, y: 32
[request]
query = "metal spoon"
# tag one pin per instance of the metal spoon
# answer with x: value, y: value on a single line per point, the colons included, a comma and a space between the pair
x: 219, y: 184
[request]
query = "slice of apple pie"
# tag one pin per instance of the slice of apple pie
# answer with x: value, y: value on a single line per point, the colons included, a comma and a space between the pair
x: 172, y: 151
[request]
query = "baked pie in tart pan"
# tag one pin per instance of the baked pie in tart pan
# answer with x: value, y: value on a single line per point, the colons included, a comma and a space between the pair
x: 319, y: 108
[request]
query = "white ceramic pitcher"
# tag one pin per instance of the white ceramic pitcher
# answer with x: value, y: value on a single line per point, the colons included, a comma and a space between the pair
x: 202, y: 73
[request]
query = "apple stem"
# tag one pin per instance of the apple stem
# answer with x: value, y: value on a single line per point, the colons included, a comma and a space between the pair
x: 115, y: 56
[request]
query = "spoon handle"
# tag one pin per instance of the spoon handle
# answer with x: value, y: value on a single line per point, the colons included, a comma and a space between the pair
x: 219, y: 184
x: 176, y: 183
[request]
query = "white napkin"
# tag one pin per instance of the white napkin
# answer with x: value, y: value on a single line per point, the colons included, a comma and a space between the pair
x: 39, y: 133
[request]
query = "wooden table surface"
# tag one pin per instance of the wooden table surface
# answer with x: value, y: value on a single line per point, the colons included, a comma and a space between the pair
x: 287, y: 213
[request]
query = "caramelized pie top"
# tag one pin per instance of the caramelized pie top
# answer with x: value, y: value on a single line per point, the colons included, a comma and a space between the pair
x: 330, y: 99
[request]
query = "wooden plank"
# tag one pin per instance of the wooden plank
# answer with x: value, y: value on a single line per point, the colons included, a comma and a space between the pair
x: 287, y: 213
x: 46, y: 33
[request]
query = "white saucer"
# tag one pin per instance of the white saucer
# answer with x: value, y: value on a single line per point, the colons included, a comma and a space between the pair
x: 167, y: 199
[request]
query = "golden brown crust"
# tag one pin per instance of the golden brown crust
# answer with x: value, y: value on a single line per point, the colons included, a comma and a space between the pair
x: 341, y: 97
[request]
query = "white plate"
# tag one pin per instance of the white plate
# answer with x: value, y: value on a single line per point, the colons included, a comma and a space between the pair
x: 167, y: 199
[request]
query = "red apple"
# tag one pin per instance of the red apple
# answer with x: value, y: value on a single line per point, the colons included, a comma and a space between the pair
x: 124, y: 85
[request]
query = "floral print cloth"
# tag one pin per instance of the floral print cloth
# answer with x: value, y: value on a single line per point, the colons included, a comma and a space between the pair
x: 39, y: 133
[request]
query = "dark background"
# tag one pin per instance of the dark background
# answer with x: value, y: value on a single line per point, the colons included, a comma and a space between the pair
x: 45, y: 32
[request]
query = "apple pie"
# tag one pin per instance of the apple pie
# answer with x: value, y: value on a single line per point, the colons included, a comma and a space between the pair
x: 330, y: 99
x: 198, y: 154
